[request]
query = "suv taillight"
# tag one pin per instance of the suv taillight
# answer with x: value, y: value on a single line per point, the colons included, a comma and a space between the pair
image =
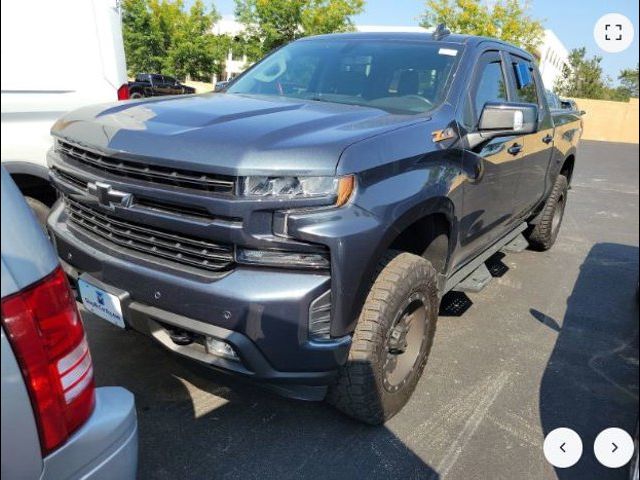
x: 123, y: 92
x: 46, y: 333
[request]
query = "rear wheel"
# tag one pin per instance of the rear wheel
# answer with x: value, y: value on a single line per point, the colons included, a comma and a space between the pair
x: 134, y: 95
x: 543, y: 235
x: 391, y: 342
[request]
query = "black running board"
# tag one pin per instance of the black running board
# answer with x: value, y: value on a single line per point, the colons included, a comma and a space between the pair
x: 477, y: 264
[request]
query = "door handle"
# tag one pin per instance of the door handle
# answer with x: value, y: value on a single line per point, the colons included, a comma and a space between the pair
x: 547, y: 139
x: 515, y: 149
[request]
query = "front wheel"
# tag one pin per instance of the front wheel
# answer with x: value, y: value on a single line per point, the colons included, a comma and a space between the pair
x: 543, y: 235
x: 391, y: 341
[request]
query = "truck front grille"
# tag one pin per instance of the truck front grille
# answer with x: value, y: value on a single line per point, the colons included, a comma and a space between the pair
x: 149, y: 173
x: 176, y: 248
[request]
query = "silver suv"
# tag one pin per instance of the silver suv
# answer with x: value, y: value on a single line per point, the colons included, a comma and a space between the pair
x: 55, y: 423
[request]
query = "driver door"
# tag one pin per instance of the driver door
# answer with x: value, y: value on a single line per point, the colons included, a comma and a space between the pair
x: 488, y: 207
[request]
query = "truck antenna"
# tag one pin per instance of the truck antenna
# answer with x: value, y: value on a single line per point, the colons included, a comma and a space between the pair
x: 441, y: 31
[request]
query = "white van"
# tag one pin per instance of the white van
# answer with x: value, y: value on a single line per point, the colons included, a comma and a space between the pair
x: 57, y: 55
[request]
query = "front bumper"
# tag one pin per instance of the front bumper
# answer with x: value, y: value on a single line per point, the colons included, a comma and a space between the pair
x: 105, y: 447
x: 262, y: 313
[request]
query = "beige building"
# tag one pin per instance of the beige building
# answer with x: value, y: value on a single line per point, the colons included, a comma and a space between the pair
x: 552, y: 58
x: 235, y: 63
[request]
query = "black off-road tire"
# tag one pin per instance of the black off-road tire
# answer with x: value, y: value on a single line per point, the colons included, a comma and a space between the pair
x: 40, y: 210
x: 362, y: 390
x: 543, y: 235
x: 134, y: 95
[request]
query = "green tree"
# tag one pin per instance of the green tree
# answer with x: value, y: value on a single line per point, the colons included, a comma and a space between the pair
x: 194, y: 50
x: 582, y: 77
x: 162, y: 36
x: 507, y: 20
x: 272, y: 23
x: 629, y: 81
x: 143, y: 42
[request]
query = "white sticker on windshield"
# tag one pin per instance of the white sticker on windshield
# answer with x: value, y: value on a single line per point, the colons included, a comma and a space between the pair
x: 448, y: 51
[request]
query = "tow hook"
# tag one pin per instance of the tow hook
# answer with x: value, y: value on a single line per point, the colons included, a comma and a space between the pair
x: 179, y: 336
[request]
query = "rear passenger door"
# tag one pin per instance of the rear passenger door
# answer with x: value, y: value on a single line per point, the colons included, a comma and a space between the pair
x: 535, y: 156
x: 488, y: 207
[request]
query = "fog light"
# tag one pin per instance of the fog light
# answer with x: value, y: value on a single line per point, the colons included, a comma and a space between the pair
x: 221, y: 348
x: 276, y: 258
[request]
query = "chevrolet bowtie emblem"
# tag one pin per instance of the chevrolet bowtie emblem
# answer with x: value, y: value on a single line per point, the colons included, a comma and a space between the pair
x: 108, y: 197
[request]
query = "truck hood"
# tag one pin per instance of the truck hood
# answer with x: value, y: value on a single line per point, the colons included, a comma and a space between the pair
x: 228, y: 133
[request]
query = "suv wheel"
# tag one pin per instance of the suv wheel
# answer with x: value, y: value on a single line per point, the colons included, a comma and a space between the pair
x: 543, y: 235
x: 135, y: 95
x: 391, y: 341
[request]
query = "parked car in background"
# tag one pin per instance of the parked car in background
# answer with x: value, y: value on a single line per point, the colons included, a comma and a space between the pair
x: 572, y: 105
x: 220, y: 86
x: 556, y: 103
x: 55, y: 423
x: 301, y: 228
x: 154, y: 85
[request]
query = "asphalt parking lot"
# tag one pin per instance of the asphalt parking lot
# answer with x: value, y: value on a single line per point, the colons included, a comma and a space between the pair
x: 552, y: 341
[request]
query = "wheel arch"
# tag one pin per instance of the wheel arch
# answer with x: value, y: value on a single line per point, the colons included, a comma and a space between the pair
x: 435, y: 211
x: 568, y: 166
x: 32, y: 180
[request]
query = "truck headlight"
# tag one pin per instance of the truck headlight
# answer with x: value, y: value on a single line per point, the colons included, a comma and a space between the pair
x: 340, y: 187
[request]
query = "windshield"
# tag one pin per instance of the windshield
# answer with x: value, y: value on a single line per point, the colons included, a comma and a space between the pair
x: 396, y: 76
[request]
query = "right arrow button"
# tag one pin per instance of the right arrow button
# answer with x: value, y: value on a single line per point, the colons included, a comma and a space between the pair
x: 613, y: 447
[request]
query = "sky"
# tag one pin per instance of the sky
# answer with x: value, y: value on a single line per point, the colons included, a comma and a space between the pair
x: 571, y: 20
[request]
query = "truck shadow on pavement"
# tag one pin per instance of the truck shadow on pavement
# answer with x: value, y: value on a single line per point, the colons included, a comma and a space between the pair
x: 591, y: 380
x: 194, y: 423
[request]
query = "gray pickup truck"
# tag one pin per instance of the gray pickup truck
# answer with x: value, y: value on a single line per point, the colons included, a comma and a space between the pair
x: 301, y: 227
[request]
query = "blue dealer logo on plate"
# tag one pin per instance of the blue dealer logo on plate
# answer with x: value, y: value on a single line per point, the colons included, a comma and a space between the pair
x: 100, y: 298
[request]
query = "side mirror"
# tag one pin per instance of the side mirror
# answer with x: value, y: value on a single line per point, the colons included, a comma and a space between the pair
x: 499, y: 119
x: 504, y: 119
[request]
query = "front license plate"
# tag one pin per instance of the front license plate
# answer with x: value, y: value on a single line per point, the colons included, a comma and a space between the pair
x: 104, y: 304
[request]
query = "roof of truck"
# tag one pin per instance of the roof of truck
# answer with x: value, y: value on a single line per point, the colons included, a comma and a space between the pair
x: 470, y: 40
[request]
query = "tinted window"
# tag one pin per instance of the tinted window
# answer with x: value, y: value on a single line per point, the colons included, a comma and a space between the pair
x: 491, y: 87
x: 156, y: 78
x: 400, y: 77
x: 527, y: 93
x: 170, y: 80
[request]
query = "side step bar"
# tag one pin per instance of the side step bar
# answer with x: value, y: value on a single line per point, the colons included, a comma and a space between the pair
x: 475, y: 275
